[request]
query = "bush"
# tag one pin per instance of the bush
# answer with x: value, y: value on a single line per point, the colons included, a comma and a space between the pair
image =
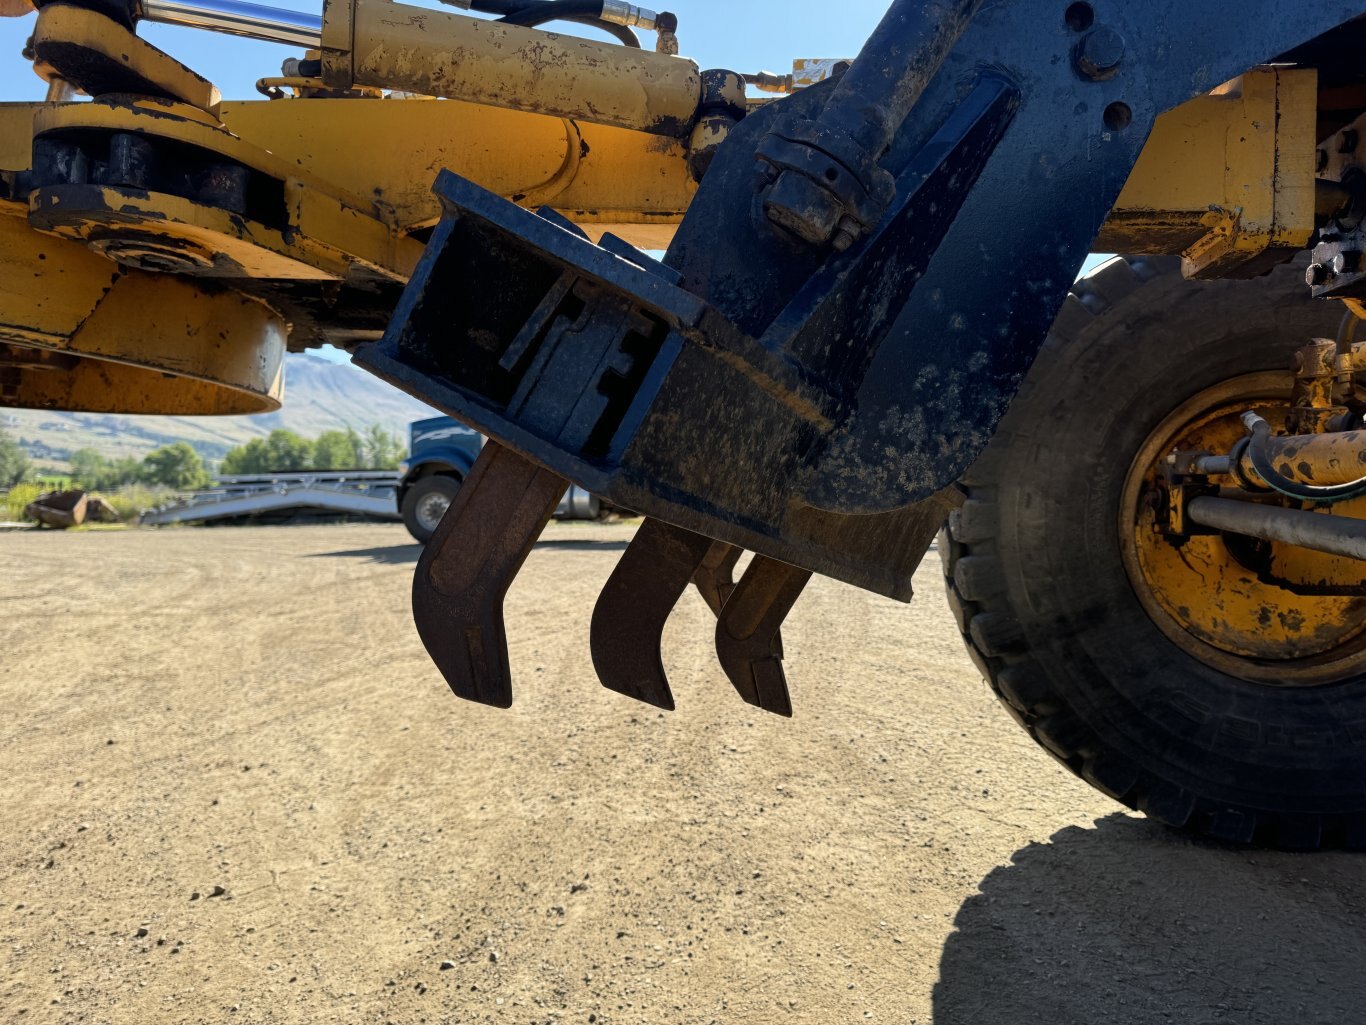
x: 19, y: 496
x: 132, y: 500
x: 281, y: 451
x: 94, y: 472
x: 338, y: 450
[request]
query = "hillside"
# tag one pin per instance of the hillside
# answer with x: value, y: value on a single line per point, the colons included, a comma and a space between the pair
x: 319, y: 394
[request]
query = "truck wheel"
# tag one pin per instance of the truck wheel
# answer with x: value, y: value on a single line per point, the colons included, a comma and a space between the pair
x: 1173, y: 679
x: 426, y: 502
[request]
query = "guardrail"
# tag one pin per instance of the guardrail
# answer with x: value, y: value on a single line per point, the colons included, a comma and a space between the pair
x: 359, y: 492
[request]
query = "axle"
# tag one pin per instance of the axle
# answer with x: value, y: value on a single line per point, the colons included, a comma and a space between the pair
x: 1332, y: 535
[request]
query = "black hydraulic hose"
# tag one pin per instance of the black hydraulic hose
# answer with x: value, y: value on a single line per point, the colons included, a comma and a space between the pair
x: 581, y: 12
x: 1347, y: 332
x: 1257, y: 455
x: 626, y: 36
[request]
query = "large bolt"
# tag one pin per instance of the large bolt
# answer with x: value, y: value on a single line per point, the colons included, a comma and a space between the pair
x: 1100, y: 53
x: 1315, y: 274
x: 798, y: 204
x: 1347, y: 261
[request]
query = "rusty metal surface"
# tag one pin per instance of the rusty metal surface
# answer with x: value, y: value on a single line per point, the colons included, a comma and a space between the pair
x: 469, y: 564
x: 1235, y: 603
x: 635, y: 603
x: 714, y: 577
x: 60, y: 509
x: 747, y: 632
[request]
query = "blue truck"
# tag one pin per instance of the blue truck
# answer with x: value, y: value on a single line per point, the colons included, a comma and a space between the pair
x: 440, y: 454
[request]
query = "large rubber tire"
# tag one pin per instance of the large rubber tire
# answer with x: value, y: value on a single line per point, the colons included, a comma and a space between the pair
x: 1038, y: 586
x: 422, y: 499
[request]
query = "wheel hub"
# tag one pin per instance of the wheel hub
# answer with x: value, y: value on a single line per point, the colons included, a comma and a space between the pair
x: 430, y: 510
x: 1204, y: 592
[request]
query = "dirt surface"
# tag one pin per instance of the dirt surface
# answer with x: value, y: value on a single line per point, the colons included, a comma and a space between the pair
x: 235, y: 790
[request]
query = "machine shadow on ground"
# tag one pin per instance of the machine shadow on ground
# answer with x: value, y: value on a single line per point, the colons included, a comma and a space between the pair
x: 1158, y: 928
x: 388, y: 554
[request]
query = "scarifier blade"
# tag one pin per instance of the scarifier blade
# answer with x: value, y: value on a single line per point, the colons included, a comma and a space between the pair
x: 747, y: 640
x: 469, y: 564
x: 629, y: 617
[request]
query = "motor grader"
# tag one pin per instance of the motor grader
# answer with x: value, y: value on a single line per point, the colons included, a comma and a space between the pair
x: 1151, y: 482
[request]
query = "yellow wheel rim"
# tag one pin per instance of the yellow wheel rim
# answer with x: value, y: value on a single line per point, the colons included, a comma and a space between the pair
x: 1208, y: 602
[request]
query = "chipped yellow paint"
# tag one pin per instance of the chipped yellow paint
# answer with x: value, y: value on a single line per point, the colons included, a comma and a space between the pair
x: 397, y: 46
x: 1224, y: 178
x: 65, y: 322
x: 82, y: 36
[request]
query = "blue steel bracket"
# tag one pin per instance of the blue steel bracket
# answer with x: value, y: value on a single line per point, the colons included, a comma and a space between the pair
x: 810, y: 404
x: 585, y: 359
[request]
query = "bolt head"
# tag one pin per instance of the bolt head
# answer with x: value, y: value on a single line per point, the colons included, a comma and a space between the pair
x: 1099, y: 53
x: 799, y: 205
x: 1315, y: 274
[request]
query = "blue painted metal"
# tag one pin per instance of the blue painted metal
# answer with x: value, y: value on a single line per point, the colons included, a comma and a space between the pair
x: 810, y: 405
x: 439, y: 440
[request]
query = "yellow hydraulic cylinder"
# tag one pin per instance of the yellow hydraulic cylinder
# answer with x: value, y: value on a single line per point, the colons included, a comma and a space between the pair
x: 1318, y: 460
x: 397, y: 46
x: 1321, y: 460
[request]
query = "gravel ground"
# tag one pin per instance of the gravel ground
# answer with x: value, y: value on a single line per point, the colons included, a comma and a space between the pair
x: 235, y: 790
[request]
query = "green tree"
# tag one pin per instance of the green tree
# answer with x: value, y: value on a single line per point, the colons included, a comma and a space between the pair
x: 338, y: 450
x: 288, y: 451
x: 280, y: 452
x: 249, y: 458
x: 88, y: 467
x: 383, y: 450
x: 176, y: 466
x: 14, y: 465
x: 95, y: 472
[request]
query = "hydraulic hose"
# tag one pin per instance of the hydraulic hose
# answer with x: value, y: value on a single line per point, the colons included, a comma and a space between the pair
x: 582, y: 12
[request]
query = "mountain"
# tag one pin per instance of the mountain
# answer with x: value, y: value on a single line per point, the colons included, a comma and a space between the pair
x: 319, y: 394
